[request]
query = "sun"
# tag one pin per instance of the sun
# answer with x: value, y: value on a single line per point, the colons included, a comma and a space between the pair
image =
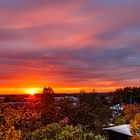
x: 32, y: 91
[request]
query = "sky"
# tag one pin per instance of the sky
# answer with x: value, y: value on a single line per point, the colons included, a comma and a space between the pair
x: 69, y: 45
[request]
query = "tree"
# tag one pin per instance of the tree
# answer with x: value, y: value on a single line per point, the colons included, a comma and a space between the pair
x: 119, y: 120
x: 135, y: 127
x: 47, y: 97
x: 48, y: 107
x: 91, y: 112
x: 65, y: 108
x: 48, y: 90
x: 57, y: 132
x: 130, y: 111
x: 127, y: 95
x: 17, y: 122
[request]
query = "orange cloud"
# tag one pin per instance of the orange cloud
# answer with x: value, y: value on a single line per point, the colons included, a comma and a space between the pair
x: 69, y: 45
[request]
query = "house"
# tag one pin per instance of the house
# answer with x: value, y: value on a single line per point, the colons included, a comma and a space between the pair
x: 116, y: 110
x: 120, y: 132
x: 74, y: 100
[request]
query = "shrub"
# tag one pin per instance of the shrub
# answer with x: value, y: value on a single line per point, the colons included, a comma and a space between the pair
x: 135, y: 127
x: 57, y: 132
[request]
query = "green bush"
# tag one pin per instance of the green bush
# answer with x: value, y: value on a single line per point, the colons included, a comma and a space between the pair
x: 119, y: 120
x: 57, y: 132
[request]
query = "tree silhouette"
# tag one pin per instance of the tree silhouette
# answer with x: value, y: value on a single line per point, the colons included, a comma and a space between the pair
x: 48, y: 105
x: 48, y: 90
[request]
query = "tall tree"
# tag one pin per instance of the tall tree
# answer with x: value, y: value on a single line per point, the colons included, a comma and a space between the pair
x: 48, y: 106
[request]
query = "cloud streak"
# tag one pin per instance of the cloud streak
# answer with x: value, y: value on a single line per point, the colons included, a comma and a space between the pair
x: 69, y: 44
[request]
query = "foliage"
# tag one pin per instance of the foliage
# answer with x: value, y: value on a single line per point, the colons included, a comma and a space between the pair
x: 130, y: 111
x: 81, y: 119
x: 127, y: 95
x: 89, y: 98
x: 47, y: 97
x: 135, y: 127
x: 119, y: 120
x: 47, y: 107
x: 17, y: 122
x: 66, y: 108
x: 93, y: 112
x: 22, y: 122
x: 57, y: 132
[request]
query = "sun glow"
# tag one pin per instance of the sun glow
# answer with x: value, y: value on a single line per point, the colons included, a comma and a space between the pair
x: 32, y: 91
